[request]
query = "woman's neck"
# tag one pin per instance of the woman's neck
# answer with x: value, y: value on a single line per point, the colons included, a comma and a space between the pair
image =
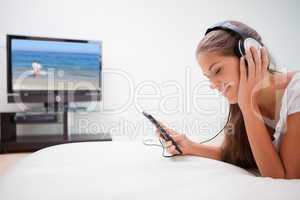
x: 269, y: 98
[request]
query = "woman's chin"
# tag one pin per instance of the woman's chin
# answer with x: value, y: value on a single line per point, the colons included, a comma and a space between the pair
x: 232, y: 100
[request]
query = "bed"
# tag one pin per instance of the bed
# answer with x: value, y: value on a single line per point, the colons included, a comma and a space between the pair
x: 131, y: 170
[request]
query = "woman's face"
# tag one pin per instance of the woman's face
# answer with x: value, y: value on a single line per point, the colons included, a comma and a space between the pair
x: 223, y: 73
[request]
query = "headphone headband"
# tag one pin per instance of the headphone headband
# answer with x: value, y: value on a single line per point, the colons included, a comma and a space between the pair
x: 245, y: 40
x: 229, y: 27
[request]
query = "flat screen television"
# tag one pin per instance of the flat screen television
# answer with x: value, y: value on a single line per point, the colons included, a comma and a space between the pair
x: 48, y: 70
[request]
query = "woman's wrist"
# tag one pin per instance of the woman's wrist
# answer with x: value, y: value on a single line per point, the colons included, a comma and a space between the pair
x: 252, y: 107
x: 197, y: 149
x: 193, y: 149
x: 251, y: 110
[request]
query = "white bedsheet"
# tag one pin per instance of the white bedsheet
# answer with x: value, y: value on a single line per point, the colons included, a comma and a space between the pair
x: 130, y: 170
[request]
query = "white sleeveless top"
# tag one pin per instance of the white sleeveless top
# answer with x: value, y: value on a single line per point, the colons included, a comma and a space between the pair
x: 290, y: 104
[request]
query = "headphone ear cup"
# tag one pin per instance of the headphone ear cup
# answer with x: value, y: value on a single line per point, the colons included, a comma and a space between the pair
x: 251, y: 42
x: 239, y: 49
x: 246, y: 43
x: 242, y: 49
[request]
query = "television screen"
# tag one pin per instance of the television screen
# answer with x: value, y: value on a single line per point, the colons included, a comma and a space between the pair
x: 38, y: 64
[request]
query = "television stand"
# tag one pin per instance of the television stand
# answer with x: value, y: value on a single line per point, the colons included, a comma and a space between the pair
x: 11, y: 142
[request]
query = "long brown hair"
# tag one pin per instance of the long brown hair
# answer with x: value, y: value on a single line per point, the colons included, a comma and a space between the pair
x: 235, y: 148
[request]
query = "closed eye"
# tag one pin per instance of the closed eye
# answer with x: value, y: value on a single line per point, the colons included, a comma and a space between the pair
x: 218, y: 70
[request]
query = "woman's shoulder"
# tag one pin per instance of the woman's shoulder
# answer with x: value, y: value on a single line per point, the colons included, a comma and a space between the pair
x: 285, y: 80
x: 295, y: 79
x: 292, y: 92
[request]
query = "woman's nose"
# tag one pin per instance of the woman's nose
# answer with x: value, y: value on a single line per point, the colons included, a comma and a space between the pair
x: 212, y: 86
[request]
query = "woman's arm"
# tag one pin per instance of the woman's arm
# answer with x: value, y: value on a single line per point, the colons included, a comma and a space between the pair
x: 286, y: 163
x: 252, y: 79
x: 264, y: 152
x: 189, y: 147
x: 290, y: 147
x: 206, y: 151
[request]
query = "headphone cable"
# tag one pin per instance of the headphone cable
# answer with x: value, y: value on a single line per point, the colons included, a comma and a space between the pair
x: 205, y: 141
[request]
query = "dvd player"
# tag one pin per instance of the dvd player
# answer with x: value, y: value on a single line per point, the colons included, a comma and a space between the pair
x: 29, y: 118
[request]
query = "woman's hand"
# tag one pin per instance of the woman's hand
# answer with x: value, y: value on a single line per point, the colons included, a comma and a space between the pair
x: 257, y: 72
x: 185, y: 144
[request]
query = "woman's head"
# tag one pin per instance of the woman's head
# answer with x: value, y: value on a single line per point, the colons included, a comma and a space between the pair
x: 218, y: 60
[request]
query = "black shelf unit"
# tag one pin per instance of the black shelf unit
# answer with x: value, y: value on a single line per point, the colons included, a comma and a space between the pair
x: 11, y: 142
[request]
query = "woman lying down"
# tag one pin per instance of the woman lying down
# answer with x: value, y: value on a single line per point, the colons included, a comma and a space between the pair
x: 263, y: 132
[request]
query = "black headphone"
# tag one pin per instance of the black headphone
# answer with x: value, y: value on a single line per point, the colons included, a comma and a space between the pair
x: 245, y: 40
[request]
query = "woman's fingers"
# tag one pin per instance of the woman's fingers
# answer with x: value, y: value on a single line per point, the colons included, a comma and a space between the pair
x: 169, y: 131
x: 168, y: 144
x: 177, y: 138
x: 251, y: 64
x: 264, y: 60
x: 257, y: 62
x: 172, y: 150
x: 243, y: 72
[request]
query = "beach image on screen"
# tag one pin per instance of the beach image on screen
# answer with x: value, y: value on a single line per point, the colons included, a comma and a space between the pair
x: 55, y: 65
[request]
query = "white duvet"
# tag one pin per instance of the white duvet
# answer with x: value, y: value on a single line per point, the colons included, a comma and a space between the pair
x: 130, y: 170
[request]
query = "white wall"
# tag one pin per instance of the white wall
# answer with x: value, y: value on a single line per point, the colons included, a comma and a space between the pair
x: 151, y: 43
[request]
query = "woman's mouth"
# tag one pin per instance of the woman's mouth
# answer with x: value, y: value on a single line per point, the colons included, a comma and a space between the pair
x: 226, y: 88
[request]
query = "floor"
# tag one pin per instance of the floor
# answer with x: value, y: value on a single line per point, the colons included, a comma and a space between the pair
x: 8, y: 160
